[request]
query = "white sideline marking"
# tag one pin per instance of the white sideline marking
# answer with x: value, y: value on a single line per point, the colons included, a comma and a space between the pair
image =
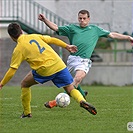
x: 6, y: 98
x: 33, y: 106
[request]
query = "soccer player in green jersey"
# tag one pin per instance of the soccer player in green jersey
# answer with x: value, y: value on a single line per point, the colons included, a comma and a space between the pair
x: 45, y: 63
x: 85, y: 37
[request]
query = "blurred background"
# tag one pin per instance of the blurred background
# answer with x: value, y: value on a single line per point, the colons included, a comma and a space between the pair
x: 112, y: 59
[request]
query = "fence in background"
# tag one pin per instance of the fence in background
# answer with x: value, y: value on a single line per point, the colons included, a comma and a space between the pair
x: 26, y: 13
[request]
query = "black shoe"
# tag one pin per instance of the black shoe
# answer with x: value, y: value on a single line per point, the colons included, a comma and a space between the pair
x: 86, y: 93
x: 26, y: 116
x: 88, y: 107
x: 47, y: 105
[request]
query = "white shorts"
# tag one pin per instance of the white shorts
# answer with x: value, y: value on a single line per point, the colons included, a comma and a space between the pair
x: 75, y: 63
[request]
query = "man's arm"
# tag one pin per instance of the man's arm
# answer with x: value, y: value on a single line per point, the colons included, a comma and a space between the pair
x: 9, y: 74
x: 50, y: 24
x: 58, y: 42
x: 115, y: 35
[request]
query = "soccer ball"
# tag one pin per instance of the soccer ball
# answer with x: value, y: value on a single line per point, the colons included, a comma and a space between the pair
x: 62, y: 100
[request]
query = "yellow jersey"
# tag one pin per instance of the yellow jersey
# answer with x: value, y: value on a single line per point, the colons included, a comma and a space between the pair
x: 34, y: 49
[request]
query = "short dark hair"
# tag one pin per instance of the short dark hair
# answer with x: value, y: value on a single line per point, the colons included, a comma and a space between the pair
x: 84, y: 12
x: 14, y: 30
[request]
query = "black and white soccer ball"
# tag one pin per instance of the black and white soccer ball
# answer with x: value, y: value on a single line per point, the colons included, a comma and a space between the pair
x: 62, y: 100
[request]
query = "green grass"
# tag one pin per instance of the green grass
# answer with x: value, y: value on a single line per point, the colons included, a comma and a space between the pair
x: 114, y: 106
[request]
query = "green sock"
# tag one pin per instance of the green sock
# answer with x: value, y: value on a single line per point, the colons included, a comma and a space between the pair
x: 81, y: 90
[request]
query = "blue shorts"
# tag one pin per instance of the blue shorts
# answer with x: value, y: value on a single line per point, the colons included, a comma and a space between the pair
x: 60, y: 79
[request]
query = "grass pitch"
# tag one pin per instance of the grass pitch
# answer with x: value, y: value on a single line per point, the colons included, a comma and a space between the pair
x: 114, y: 106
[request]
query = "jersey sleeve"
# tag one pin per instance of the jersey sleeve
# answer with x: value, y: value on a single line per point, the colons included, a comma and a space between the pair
x: 53, y: 40
x: 9, y: 74
x: 63, y: 30
x: 16, y: 59
x: 102, y: 32
x: 45, y: 38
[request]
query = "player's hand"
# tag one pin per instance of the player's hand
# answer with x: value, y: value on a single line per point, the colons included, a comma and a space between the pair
x: 41, y: 17
x: 1, y: 86
x: 71, y: 48
x: 131, y: 40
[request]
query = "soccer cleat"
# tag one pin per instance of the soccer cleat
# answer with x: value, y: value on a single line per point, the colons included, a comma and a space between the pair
x: 50, y: 104
x: 26, y: 116
x: 88, y: 107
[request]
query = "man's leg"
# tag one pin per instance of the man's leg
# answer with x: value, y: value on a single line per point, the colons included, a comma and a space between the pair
x: 74, y: 93
x: 26, y: 99
x: 80, y: 99
x: 81, y: 91
x: 79, y: 76
x: 26, y: 83
x: 77, y: 79
x: 84, y: 93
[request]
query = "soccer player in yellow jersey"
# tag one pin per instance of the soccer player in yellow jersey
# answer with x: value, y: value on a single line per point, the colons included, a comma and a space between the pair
x: 45, y: 63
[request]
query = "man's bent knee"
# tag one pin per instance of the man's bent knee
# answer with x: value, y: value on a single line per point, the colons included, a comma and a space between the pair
x: 24, y: 84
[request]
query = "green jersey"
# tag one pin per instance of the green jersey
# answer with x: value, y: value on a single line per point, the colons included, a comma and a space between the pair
x: 84, y: 38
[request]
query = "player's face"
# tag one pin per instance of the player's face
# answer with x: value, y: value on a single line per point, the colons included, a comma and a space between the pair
x: 83, y: 20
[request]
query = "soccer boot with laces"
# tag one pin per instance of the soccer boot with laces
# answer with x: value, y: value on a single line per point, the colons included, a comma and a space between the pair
x: 26, y: 116
x: 50, y: 104
x: 90, y: 108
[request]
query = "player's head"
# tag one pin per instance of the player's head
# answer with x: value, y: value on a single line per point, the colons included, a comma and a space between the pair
x: 14, y: 30
x: 83, y: 18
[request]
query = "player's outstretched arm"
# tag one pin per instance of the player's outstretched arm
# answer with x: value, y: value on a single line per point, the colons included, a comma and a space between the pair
x: 9, y: 74
x: 119, y: 36
x: 50, y: 24
x: 58, y: 42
